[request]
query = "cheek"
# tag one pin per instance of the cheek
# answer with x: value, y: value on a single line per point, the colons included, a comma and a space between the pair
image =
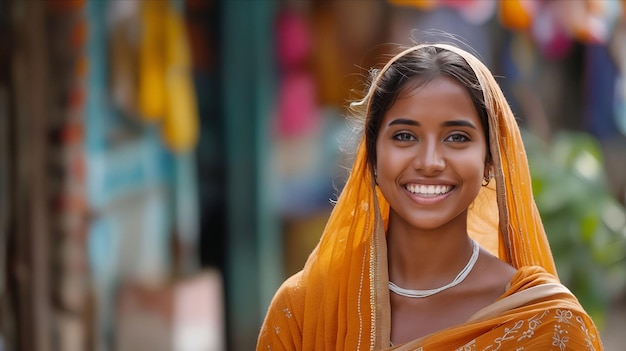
x: 471, y: 166
x: 388, y: 161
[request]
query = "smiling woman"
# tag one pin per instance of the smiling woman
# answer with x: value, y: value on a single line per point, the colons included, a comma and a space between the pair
x: 435, y: 242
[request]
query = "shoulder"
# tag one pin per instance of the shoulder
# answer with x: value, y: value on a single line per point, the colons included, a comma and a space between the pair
x: 555, y: 316
x: 282, y: 326
x: 289, y: 298
x: 291, y: 291
x: 497, y: 266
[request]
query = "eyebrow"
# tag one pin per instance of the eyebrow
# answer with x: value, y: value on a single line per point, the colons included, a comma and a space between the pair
x: 404, y: 121
x: 459, y: 123
x: 453, y: 123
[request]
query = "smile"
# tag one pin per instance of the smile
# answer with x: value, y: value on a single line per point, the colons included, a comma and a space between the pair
x: 428, y: 190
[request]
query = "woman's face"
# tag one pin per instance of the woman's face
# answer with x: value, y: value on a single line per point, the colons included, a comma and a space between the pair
x: 431, y: 151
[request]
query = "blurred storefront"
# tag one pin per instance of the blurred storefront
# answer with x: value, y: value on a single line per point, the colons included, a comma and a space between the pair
x: 166, y: 164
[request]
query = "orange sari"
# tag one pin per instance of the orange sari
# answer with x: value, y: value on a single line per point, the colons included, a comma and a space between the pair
x: 340, y: 300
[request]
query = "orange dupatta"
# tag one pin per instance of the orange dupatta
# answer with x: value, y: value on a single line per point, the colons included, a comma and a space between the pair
x: 340, y: 300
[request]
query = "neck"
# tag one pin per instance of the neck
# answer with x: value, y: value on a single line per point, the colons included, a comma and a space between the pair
x: 426, y: 259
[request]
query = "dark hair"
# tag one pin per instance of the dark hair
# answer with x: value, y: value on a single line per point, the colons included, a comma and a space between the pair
x: 412, y: 70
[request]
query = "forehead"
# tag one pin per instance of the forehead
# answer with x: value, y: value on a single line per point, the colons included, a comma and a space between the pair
x: 442, y: 97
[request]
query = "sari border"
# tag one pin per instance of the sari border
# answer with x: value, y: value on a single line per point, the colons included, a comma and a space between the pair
x: 519, y: 299
x: 382, y: 318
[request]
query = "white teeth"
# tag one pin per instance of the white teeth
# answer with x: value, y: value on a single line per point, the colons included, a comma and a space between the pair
x: 428, y: 189
x: 431, y: 189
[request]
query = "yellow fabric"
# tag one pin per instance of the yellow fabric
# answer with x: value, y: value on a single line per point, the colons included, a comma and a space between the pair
x: 180, y: 127
x: 166, y: 92
x: 151, y: 82
x: 340, y: 300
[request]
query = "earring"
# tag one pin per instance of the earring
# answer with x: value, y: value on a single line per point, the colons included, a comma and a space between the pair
x: 375, y: 176
x: 487, y: 179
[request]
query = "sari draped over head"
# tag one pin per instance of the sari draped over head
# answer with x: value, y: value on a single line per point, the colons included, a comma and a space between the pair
x: 340, y: 299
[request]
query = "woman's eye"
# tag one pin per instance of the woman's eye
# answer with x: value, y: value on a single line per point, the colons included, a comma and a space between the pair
x: 404, y: 137
x: 457, y: 138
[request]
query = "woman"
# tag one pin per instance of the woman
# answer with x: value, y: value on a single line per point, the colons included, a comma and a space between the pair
x: 435, y: 242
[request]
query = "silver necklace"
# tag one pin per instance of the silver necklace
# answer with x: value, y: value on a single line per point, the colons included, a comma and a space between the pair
x: 459, y: 278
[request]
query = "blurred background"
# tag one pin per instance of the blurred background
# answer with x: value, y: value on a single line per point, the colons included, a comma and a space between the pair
x: 166, y: 164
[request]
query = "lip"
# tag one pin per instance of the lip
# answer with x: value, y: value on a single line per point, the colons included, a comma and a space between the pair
x: 428, y: 181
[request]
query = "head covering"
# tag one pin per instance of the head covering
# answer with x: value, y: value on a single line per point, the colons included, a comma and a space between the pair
x: 346, y: 275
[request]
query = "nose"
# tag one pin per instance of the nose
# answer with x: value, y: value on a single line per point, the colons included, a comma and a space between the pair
x: 429, y: 158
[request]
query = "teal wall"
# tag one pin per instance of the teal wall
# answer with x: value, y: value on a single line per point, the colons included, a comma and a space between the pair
x: 254, y: 246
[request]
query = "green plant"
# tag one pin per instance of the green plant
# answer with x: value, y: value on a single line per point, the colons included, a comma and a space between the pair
x: 585, y: 225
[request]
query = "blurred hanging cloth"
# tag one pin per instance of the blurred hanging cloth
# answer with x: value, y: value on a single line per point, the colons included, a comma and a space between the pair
x: 340, y: 300
x: 166, y: 91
